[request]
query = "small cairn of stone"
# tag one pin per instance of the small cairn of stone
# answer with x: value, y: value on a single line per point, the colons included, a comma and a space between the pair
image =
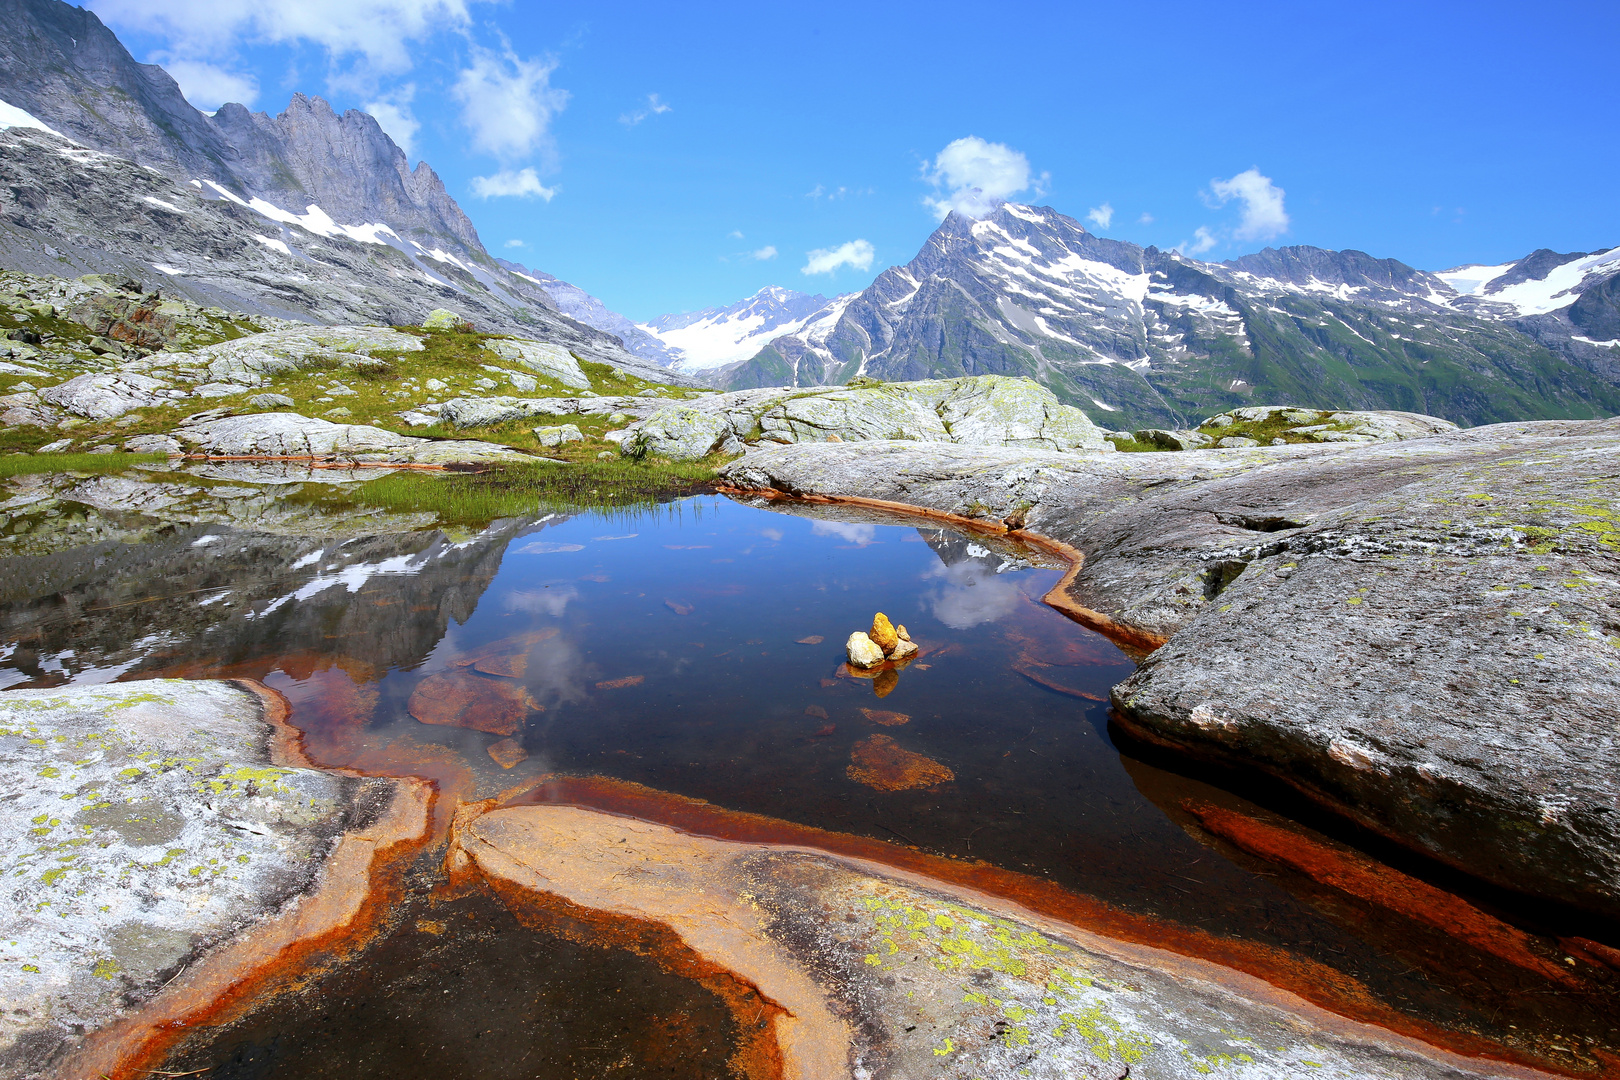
x: 885, y: 641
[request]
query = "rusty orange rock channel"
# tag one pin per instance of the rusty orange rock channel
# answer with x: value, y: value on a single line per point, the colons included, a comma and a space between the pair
x: 357, y: 886
x: 1313, y: 982
x: 1134, y: 640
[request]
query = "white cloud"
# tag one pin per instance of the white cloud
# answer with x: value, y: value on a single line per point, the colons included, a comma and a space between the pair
x: 377, y: 33
x: 857, y: 254
x: 764, y: 254
x: 393, y: 114
x: 1145, y: 219
x: 508, y: 103
x: 654, y: 107
x: 1201, y: 242
x: 734, y: 234
x: 523, y: 183
x: 1101, y: 216
x: 977, y: 176
x: 1263, y: 213
x: 516, y: 244
x: 208, y: 86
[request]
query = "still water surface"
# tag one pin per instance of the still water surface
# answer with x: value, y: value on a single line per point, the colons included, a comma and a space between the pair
x: 696, y: 650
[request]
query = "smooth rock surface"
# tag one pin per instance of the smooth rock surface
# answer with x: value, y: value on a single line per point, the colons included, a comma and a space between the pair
x: 102, y: 397
x: 144, y: 822
x: 863, y: 651
x: 250, y: 360
x: 1423, y: 635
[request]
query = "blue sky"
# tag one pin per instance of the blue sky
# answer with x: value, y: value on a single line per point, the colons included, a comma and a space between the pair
x: 671, y: 157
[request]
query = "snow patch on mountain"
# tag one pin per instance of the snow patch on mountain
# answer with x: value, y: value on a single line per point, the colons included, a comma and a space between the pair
x: 1559, y: 287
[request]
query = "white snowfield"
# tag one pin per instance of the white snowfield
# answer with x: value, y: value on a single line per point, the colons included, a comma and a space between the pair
x: 13, y: 117
x: 1559, y: 289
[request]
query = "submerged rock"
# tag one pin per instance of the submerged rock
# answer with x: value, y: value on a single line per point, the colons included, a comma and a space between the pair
x: 879, y: 762
x: 508, y: 753
x: 463, y: 699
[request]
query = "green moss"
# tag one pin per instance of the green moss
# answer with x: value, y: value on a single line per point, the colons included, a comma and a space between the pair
x: 477, y: 498
x: 29, y: 464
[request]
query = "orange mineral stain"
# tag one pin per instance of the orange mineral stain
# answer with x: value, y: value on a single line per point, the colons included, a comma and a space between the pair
x: 885, y: 717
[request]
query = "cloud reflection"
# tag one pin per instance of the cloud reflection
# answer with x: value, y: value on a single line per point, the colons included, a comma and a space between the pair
x: 855, y: 534
x: 548, y: 601
x: 970, y: 593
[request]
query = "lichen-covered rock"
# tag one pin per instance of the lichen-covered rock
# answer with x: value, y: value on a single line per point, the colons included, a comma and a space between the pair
x: 862, y: 651
x: 271, y: 401
x: 1235, y: 442
x: 143, y: 823
x: 552, y: 361
x: 1421, y: 634
x: 1173, y: 440
x: 901, y: 975
x: 445, y: 319
x: 679, y: 432
x: 1338, y: 425
x: 986, y: 410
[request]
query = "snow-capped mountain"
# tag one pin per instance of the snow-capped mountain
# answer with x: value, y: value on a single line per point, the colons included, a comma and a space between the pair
x: 1136, y: 335
x: 703, y: 340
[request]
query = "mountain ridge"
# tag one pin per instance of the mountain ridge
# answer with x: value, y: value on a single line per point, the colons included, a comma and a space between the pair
x: 1139, y: 336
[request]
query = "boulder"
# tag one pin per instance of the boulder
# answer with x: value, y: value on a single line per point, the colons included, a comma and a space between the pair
x: 291, y: 435
x: 102, y: 397
x: 1172, y: 440
x: 250, y: 361
x: 271, y: 401
x: 882, y: 633
x: 679, y: 432
x: 1235, y: 442
x: 556, y: 436
x: 152, y: 444
x: 863, y: 652
x: 986, y: 410
x: 552, y: 361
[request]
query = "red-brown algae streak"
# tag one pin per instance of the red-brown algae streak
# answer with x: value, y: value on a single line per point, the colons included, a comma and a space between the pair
x: 1382, y: 885
x: 1316, y: 983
